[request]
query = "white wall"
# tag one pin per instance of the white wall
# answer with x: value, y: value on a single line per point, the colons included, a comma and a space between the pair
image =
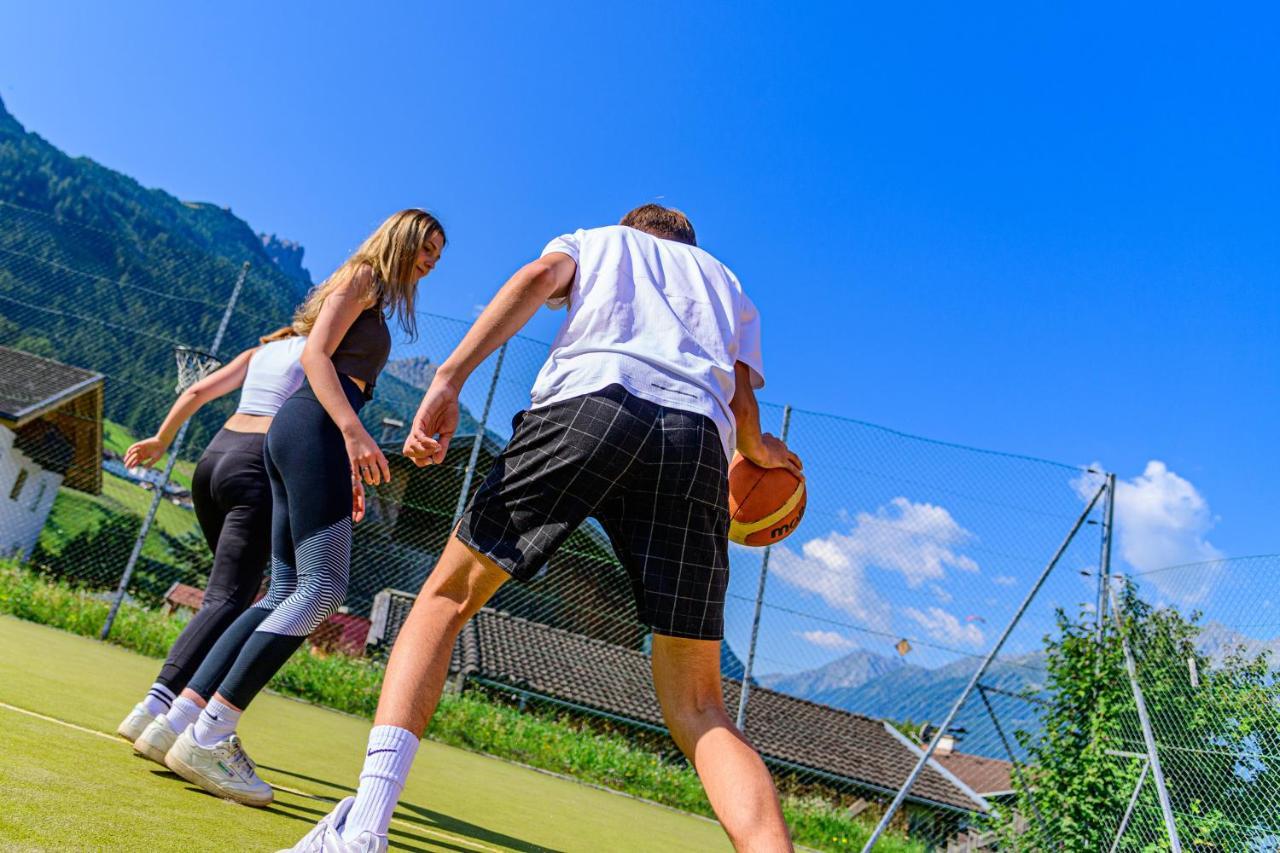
x: 22, y: 519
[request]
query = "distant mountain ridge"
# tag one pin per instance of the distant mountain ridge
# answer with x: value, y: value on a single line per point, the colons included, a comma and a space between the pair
x: 851, y: 671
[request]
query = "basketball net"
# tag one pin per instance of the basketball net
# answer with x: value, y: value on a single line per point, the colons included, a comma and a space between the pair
x: 193, y: 365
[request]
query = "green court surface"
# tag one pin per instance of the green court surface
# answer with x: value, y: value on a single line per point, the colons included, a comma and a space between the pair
x: 69, y: 784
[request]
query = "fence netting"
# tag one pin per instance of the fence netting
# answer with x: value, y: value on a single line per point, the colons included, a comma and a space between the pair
x: 851, y: 640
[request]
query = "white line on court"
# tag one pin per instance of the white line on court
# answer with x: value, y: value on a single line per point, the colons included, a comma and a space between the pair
x: 439, y: 833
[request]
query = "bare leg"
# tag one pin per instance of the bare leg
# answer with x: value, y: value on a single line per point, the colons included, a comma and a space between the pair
x: 459, y: 586
x: 686, y: 675
x: 188, y: 693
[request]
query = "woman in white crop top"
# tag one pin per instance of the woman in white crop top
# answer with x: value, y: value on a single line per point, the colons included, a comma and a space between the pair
x: 232, y: 498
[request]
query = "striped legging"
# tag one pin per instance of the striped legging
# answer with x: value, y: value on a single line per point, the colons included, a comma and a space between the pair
x: 310, y: 477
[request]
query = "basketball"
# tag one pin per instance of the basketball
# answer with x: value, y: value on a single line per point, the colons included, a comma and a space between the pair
x: 765, y: 504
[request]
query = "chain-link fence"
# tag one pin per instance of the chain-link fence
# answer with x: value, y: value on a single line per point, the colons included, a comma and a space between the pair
x: 928, y: 583
x: 1202, y: 640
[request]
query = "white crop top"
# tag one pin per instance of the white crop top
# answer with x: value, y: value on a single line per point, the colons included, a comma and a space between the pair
x: 274, y: 374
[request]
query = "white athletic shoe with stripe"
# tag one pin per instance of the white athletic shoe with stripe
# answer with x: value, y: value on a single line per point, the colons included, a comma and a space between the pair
x: 327, y: 836
x: 139, y: 718
x: 223, y: 770
x: 156, y: 740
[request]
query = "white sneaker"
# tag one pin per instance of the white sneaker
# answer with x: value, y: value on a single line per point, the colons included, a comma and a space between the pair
x: 156, y: 740
x: 223, y: 769
x: 327, y: 836
x: 139, y: 718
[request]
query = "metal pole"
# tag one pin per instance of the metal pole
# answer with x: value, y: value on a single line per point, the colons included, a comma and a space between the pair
x: 1104, y: 563
x: 1148, y: 736
x: 1133, y: 803
x: 755, y: 620
x: 986, y: 662
x: 174, y: 449
x: 470, y: 473
x: 1014, y: 764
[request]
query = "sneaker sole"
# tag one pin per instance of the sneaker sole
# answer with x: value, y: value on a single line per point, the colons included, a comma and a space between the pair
x: 149, y: 750
x: 124, y: 733
x: 177, y: 765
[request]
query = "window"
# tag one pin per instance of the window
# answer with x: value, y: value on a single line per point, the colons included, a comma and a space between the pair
x: 18, y: 484
x: 40, y: 488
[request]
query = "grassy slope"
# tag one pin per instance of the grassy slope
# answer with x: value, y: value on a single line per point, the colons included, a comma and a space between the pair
x: 74, y: 511
x: 72, y: 783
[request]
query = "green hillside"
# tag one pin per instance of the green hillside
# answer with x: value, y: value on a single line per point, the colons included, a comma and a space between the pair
x: 101, y: 272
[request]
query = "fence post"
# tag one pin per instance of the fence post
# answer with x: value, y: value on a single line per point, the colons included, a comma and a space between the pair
x: 1104, y: 563
x: 470, y: 472
x: 1133, y: 803
x: 755, y: 619
x: 174, y: 449
x: 1148, y: 736
x: 973, y: 681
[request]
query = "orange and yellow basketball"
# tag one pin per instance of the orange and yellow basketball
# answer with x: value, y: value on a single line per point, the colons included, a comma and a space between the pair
x: 765, y: 504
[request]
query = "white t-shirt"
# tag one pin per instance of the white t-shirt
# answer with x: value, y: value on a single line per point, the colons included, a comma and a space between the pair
x: 663, y: 319
x: 275, y: 372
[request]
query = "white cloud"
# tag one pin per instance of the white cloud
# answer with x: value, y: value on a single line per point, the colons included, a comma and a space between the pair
x: 1005, y: 580
x: 943, y: 596
x: 828, y: 639
x: 1162, y: 520
x: 917, y: 540
x: 945, y: 627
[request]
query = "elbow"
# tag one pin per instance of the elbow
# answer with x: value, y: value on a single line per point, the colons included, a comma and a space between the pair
x: 539, y: 279
x: 311, y: 360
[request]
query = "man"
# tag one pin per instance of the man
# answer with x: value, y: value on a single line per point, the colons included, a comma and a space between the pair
x: 648, y: 389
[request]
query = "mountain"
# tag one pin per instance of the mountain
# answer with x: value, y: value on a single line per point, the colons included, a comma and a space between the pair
x: 852, y: 670
x: 1218, y: 642
x: 287, y: 255
x: 417, y: 371
x: 103, y: 273
x: 886, y: 688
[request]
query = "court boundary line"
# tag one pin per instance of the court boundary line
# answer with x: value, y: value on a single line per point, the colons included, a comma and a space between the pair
x: 439, y: 833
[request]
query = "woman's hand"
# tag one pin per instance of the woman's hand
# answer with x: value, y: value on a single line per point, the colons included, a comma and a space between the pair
x: 357, y: 500
x: 367, y: 460
x: 146, y: 452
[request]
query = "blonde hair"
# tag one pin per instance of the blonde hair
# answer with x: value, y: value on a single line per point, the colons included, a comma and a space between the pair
x: 279, y: 335
x: 390, y: 253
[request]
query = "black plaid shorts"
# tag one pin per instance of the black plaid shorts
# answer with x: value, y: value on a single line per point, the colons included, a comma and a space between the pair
x: 656, y: 478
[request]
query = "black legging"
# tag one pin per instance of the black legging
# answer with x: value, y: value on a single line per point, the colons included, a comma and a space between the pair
x: 310, y: 476
x: 232, y: 496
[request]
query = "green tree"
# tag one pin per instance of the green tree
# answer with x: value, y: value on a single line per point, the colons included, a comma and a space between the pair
x: 1218, y: 733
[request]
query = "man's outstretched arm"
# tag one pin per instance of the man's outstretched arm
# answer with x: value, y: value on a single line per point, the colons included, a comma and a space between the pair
x: 549, y: 277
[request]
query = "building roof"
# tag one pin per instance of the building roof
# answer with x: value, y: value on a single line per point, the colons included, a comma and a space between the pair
x: 55, y: 413
x: 31, y: 385
x: 790, y: 732
x: 988, y: 776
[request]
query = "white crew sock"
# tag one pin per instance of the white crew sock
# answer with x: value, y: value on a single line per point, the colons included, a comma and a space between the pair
x: 217, y: 721
x: 386, y: 768
x: 158, y: 699
x: 183, y: 713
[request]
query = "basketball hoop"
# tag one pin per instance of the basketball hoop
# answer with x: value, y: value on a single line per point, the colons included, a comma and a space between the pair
x: 193, y: 365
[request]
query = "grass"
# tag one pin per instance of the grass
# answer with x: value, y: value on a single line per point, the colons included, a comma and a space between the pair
x: 542, y: 740
x: 78, y: 788
x: 74, y: 512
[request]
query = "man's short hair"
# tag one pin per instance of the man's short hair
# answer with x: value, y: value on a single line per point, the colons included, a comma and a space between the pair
x: 665, y: 222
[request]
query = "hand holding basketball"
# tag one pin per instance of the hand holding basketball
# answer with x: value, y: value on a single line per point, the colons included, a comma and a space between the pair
x: 766, y: 501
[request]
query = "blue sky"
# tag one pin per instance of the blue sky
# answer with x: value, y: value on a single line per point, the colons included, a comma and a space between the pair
x: 1049, y: 232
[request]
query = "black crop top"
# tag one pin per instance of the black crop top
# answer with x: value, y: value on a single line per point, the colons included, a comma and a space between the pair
x: 364, y: 350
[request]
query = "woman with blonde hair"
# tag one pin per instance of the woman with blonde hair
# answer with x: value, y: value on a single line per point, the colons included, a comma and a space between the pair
x: 316, y: 452
x: 232, y: 498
